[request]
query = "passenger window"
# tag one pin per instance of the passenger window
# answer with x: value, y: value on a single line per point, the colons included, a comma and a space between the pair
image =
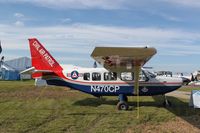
x: 127, y: 76
x: 86, y: 76
x: 109, y: 76
x: 96, y: 76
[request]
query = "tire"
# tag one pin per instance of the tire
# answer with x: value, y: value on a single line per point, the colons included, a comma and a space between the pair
x: 122, y: 105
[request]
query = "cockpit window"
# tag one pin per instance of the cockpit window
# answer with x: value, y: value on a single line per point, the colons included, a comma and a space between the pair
x: 96, y: 76
x: 150, y: 74
x: 86, y: 76
x: 110, y: 76
x: 127, y: 76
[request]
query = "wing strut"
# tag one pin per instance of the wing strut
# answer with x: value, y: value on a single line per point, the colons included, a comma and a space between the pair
x: 136, y: 87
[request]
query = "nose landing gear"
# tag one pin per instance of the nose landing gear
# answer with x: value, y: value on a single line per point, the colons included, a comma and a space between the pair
x: 166, y: 102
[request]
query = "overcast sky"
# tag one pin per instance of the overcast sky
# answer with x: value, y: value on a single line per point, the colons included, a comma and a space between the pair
x: 70, y: 29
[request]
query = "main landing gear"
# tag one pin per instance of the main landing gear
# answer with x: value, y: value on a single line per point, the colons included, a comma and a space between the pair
x: 166, y: 102
x: 122, y: 104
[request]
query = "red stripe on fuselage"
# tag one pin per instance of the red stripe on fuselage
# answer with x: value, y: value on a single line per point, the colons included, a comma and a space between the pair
x: 116, y: 82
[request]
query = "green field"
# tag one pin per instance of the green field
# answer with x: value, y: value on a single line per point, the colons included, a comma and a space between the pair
x: 189, y: 88
x: 25, y: 108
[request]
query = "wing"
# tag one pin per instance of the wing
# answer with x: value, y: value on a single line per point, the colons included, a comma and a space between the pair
x: 121, y: 59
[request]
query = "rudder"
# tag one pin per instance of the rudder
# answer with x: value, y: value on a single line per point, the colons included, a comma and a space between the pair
x: 41, y: 58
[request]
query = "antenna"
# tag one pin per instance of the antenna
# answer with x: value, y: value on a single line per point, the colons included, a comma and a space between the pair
x: 147, y: 67
x: 95, y: 64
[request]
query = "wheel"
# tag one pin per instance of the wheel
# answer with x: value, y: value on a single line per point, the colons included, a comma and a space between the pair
x: 122, y: 105
x: 167, y: 103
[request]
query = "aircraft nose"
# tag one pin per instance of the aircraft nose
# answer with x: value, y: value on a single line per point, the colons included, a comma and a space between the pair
x: 185, y: 81
x: 179, y: 81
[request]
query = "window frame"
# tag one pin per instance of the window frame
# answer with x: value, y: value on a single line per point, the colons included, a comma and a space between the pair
x: 132, y: 74
x: 114, y: 73
x: 87, y: 75
x: 93, y: 76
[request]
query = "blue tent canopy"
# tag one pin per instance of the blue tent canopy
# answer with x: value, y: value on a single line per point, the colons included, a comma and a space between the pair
x: 10, y: 75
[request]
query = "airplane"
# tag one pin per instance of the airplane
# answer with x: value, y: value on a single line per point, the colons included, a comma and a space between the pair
x: 122, y: 74
x: 186, y: 78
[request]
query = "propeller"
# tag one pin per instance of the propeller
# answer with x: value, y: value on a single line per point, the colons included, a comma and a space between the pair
x: 192, y: 77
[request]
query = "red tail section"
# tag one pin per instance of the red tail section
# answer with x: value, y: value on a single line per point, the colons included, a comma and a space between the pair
x: 42, y: 59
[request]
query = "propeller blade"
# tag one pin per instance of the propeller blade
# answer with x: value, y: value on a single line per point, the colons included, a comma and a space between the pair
x: 192, y: 77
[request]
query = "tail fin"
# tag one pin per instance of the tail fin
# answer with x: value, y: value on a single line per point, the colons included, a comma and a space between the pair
x: 41, y: 58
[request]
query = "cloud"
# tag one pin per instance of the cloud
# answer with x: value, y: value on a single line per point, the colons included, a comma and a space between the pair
x: 167, y: 16
x: 66, y: 20
x: 186, y: 3
x: 84, y: 37
x: 74, y: 43
x: 105, y: 4
x: 18, y: 15
x: 19, y: 23
x: 73, y: 4
x: 19, y: 19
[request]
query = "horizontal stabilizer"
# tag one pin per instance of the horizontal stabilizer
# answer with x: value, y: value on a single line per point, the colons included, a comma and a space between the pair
x: 32, y: 70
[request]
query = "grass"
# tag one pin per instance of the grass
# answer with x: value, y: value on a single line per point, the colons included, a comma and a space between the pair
x: 189, y: 88
x: 25, y: 108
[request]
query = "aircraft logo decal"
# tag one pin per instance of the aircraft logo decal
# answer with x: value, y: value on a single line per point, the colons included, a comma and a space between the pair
x: 144, y: 89
x: 74, y: 74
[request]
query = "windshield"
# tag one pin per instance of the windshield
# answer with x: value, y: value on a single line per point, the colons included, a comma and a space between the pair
x: 149, y: 74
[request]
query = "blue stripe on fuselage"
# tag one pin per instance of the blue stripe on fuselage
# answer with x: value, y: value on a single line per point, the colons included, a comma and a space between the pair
x: 112, y: 90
